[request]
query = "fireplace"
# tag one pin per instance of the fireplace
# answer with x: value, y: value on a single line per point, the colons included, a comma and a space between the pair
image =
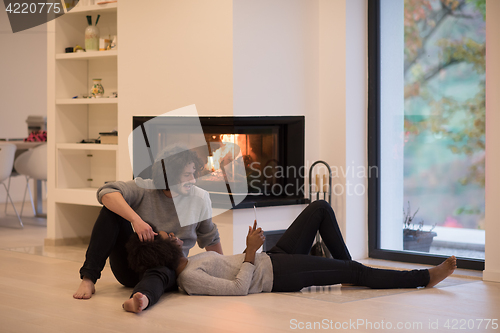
x: 258, y: 160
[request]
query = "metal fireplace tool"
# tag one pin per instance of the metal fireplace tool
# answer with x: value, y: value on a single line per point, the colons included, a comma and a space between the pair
x: 319, y: 248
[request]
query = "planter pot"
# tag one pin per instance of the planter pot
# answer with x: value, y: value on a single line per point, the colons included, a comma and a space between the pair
x: 417, y: 240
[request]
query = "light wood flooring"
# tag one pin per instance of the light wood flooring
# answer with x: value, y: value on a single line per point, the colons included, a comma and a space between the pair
x: 37, y: 283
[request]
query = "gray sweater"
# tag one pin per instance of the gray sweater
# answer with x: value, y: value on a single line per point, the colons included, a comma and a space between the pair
x: 155, y: 207
x: 210, y: 273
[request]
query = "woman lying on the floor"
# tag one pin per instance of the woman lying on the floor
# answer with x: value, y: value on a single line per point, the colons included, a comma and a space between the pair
x: 286, y: 267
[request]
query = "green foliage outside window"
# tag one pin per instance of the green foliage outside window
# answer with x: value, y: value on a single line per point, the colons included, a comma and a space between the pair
x: 445, y: 47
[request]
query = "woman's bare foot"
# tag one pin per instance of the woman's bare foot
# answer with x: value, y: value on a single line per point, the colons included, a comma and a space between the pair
x: 85, y: 290
x: 442, y: 271
x: 137, y: 303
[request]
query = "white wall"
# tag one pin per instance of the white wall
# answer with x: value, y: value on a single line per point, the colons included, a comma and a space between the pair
x: 356, y: 136
x: 332, y: 98
x: 275, y: 52
x: 275, y: 72
x: 275, y: 62
x: 178, y: 54
x: 23, y: 85
x: 492, y: 248
x: 343, y: 103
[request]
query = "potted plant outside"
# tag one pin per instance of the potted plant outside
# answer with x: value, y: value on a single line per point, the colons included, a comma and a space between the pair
x: 414, y: 238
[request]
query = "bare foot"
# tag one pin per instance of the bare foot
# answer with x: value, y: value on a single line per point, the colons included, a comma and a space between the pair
x: 85, y: 290
x: 442, y: 271
x: 137, y: 303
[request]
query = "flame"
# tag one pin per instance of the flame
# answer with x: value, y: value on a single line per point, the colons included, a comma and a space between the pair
x: 213, y: 163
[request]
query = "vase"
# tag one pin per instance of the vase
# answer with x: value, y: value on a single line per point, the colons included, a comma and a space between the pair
x: 92, y: 35
x: 97, y: 90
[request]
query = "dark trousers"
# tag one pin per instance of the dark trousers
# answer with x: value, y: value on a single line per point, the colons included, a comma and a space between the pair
x: 109, y: 236
x: 155, y: 282
x: 294, y: 269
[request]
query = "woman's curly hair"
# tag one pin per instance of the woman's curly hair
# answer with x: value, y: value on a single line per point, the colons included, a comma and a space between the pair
x: 175, y: 158
x: 145, y: 255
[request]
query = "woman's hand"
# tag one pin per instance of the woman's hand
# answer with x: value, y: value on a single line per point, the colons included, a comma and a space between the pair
x: 255, y: 238
x: 254, y: 225
x: 144, y: 231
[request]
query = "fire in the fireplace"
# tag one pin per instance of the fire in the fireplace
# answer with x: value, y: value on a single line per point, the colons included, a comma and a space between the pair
x: 225, y: 161
x: 226, y: 152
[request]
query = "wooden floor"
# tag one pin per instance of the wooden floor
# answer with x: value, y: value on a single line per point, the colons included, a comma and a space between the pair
x: 37, y: 283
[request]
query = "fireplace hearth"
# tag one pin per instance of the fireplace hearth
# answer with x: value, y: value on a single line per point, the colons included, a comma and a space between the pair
x: 256, y: 160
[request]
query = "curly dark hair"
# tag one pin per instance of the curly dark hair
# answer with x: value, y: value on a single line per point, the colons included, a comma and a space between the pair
x: 145, y: 255
x: 174, y: 159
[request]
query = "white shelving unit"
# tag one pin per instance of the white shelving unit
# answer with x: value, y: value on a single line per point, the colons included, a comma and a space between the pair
x: 88, y: 10
x: 85, y: 146
x: 87, y: 55
x: 76, y: 169
x: 84, y: 196
x: 74, y: 101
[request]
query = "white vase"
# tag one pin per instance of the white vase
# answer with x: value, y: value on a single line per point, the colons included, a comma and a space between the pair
x: 97, y: 90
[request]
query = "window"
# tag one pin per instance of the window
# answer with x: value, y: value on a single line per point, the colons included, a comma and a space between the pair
x: 427, y: 130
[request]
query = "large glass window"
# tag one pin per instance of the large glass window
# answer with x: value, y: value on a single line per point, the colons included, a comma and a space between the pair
x: 427, y: 129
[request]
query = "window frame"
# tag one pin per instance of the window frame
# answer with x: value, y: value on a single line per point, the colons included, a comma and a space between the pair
x: 374, y: 196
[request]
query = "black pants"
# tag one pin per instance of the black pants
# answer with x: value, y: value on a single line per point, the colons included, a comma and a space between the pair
x: 109, y: 236
x: 294, y: 269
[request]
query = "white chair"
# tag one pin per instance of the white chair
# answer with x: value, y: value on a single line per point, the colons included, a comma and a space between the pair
x: 33, y: 165
x: 13, y: 174
x: 7, y: 152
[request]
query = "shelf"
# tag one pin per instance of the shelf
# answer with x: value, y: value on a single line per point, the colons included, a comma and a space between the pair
x: 78, y: 196
x: 87, y: 55
x: 79, y: 169
x: 80, y: 101
x: 109, y: 7
x: 86, y: 146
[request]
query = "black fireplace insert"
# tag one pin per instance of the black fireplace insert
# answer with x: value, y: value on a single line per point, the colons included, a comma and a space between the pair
x: 270, y: 151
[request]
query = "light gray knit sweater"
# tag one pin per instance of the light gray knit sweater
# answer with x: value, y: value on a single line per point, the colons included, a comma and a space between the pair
x: 210, y: 273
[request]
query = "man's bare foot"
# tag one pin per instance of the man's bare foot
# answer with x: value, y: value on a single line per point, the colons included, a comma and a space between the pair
x: 85, y: 290
x: 442, y: 271
x: 137, y: 303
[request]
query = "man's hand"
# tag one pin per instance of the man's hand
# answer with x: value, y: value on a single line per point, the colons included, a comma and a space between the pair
x: 115, y: 202
x: 144, y: 231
